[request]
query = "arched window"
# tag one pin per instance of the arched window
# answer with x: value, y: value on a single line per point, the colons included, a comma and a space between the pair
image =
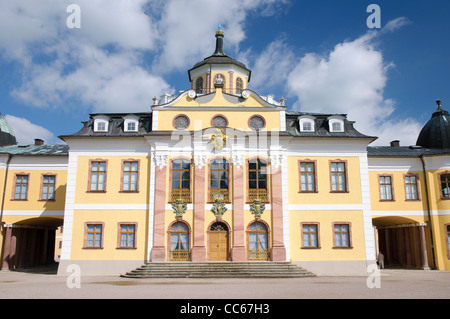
x: 257, y: 180
x: 199, y: 85
x: 257, y: 242
x: 239, y: 86
x: 179, y: 242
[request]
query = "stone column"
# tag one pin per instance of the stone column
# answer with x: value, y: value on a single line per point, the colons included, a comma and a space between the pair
x: 159, y: 249
x: 278, y: 248
x: 199, y: 250
x: 423, y: 246
x: 9, y: 249
x: 408, y: 247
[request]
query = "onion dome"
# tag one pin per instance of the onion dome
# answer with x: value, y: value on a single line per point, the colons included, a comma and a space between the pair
x: 436, y: 132
x: 7, y: 136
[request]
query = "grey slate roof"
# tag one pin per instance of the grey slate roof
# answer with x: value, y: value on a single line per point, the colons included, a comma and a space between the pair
x: 36, y: 150
x: 321, y: 126
x: 404, y: 151
x: 115, y: 127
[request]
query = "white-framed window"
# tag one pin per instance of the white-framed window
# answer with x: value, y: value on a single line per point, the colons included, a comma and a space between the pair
x: 131, y: 124
x: 336, y: 124
x: 101, y: 124
x: 306, y: 124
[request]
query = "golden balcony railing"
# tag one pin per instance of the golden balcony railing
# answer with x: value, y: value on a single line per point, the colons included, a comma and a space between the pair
x: 179, y: 255
x: 258, y: 194
x: 183, y: 194
x: 258, y: 254
x: 222, y: 193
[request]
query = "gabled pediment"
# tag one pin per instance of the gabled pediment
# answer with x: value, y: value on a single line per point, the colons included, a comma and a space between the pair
x: 218, y: 98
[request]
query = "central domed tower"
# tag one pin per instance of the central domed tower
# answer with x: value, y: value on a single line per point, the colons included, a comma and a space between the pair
x: 219, y: 69
x: 436, y: 132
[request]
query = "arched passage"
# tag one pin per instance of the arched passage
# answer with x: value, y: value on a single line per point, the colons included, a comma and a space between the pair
x: 29, y: 242
x: 403, y: 242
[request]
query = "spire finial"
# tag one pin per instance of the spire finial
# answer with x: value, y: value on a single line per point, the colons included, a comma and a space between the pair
x: 438, y: 102
x: 219, y: 30
x: 219, y: 42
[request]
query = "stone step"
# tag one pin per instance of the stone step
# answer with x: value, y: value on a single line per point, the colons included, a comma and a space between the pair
x: 218, y: 270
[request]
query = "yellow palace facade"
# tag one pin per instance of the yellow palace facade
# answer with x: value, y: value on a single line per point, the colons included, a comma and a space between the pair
x: 221, y: 173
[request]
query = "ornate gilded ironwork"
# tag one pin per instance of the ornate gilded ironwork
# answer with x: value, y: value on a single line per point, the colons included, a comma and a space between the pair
x: 258, y: 254
x: 218, y: 227
x: 179, y: 208
x: 183, y: 194
x: 257, y: 208
x: 179, y: 255
x: 219, y: 192
x: 257, y: 194
x: 218, y: 207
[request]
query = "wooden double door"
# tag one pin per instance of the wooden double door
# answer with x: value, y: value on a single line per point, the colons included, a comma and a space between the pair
x: 218, y: 242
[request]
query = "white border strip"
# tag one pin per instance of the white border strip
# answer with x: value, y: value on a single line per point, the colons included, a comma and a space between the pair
x: 33, y: 213
x: 331, y: 207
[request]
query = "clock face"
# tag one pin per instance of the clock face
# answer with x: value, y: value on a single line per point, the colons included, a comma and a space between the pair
x: 219, y: 121
x: 181, y: 122
x: 256, y: 123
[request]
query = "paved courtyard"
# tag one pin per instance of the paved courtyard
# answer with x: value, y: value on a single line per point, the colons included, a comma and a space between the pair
x: 391, y: 284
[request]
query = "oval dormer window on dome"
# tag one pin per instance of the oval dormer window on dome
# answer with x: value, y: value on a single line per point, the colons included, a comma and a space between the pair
x: 306, y: 124
x: 336, y: 124
x: 131, y: 123
x: 101, y: 123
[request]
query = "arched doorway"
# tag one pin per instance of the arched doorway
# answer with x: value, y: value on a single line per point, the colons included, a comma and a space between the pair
x: 258, y: 241
x: 404, y: 242
x: 30, y: 243
x: 218, y: 242
x: 179, y: 242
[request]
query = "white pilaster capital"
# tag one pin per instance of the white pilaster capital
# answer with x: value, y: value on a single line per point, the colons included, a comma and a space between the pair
x: 160, y: 160
x: 200, y: 160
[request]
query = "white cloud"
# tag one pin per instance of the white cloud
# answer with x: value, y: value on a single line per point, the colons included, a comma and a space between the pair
x: 350, y: 79
x: 116, y: 60
x: 187, y: 27
x: 26, y: 132
x: 394, y: 25
x: 276, y: 60
x: 98, y: 66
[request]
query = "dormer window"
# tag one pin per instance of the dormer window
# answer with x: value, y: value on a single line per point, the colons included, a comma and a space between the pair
x: 101, y: 124
x: 336, y: 124
x: 131, y: 124
x: 306, y: 124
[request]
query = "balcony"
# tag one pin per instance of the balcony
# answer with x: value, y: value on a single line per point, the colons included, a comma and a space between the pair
x: 184, y: 194
x: 221, y: 193
x: 258, y: 194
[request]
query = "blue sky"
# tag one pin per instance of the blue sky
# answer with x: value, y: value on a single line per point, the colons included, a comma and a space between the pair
x: 320, y: 55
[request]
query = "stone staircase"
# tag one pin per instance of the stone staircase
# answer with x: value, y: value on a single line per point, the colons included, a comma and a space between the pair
x: 259, y: 269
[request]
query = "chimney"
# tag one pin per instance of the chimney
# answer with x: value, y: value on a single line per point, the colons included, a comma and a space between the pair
x: 38, y: 141
x: 395, y: 143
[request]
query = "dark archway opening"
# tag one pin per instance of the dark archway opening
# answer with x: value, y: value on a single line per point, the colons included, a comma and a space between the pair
x: 404, y: 243
x: 29, y: 245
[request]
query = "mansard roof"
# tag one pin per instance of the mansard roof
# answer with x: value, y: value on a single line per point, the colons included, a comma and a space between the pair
x: 36, y: 150
x: 322, y: 128
x: 115, y: 127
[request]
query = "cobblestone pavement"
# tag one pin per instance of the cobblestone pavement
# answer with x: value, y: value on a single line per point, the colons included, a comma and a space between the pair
x: 391, y: 284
